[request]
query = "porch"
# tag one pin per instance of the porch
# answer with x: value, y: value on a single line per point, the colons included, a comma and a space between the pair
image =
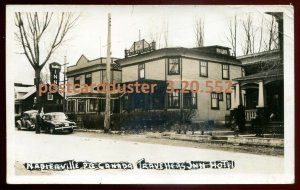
x: 261, y: 93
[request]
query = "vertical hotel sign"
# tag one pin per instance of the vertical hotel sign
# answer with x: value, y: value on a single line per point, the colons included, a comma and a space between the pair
x: 54, y: 72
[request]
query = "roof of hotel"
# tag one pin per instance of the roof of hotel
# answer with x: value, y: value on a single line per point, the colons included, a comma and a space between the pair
x: 196, y: 53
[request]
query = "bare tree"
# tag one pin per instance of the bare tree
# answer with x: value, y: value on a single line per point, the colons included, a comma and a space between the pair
x: 32, y: 31
x: 261, y: 35
x: 232, y: 38
x: 248, y: 46
x: 272, y: 41
x: 199, y: 32
x: 156, y: 36
x: 45, y: 76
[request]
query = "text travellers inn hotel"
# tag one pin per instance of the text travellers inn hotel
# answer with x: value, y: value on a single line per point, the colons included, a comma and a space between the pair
x: 185, y: 78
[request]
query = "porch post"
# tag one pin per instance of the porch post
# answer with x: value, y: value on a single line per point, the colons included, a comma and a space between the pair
x: 238, y: 95
x: 243, y: 98
x: 261, y: 98
x: 232, y: 98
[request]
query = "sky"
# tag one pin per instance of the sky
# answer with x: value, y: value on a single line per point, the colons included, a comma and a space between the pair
x: 89, y: 36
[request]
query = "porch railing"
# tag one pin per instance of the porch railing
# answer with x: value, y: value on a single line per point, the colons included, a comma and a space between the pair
x: 250, y: 114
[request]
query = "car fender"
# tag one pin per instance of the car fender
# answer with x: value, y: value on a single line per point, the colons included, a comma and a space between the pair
x: 19, y: 122
x: 28, y: 122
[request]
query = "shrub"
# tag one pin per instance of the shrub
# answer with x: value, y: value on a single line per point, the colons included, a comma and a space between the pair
x: 138, y: 121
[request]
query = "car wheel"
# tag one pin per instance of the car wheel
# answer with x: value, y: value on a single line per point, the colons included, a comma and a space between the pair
x: 28, y: 126
x: 52, y: 130
x: 18, y: 126
x: 71, y: 131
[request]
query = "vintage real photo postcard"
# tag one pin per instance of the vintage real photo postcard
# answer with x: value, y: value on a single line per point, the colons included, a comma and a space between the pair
x: 166, y: 94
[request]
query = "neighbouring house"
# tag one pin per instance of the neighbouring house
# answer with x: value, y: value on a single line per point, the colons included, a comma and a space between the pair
x: 196, y: 71
x: 91, y: 72
x: 25, y: 99
x: 261, y: 87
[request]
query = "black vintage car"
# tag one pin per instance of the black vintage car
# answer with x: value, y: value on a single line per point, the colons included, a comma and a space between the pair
x: 57, y: 122
x: 27, y: 121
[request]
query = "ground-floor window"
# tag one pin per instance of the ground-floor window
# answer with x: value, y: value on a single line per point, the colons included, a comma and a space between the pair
x: 174, y: 99
x: 94, y: 104
x: 214, y: 100
x: 81, y: 106
x: 71, y: 105
x: 190, y: 100
x: 102, y: 105
x: 221, y: 96
x: 228, y: 101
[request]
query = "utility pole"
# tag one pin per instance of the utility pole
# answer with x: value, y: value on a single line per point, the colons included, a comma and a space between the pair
x: 139, y: 34
x: 234, y: 36
x: 64, y: 97
x: 100, y: 49
x: 108, y: 62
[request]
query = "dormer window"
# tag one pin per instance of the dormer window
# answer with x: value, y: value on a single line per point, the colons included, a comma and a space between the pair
x: 222, y: 51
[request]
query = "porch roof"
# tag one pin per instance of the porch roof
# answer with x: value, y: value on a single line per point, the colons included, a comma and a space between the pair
x: 278, y: 73
x: 91, y: 95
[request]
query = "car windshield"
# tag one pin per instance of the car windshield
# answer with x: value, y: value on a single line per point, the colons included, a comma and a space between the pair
x: 33, y: 114
x: 59, y: 117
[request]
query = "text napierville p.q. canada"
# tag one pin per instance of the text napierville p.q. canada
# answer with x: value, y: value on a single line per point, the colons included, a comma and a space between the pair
x: 193, y: 86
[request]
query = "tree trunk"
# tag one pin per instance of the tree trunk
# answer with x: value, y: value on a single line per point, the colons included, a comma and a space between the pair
x: 37, y: 82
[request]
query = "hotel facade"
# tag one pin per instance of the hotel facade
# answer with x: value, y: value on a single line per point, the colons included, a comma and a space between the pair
x: 186, y: 78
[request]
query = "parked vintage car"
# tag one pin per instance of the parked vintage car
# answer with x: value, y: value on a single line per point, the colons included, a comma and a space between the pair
x: 57, y: 122
x: 27, y: 121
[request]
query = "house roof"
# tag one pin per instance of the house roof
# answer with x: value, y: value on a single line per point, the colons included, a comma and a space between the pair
x: 196, y: 53
x: 90, y: 95
x: 30, y: 91
x: 278, y: 73
x: 83, y: 62
x: 255, y: 58
x: 23, y: 88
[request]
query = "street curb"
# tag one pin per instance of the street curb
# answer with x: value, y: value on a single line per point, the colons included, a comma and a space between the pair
x: 89, y: 130
x: 235, y: 140
x: 98, y: 131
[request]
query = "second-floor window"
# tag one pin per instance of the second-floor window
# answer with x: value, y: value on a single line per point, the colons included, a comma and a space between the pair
x: 173, y: 66
x: 88, y: 79
x: 141, y: 68
x: 203, y: 69
x: 77, y: 80
x: 225, y: 71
